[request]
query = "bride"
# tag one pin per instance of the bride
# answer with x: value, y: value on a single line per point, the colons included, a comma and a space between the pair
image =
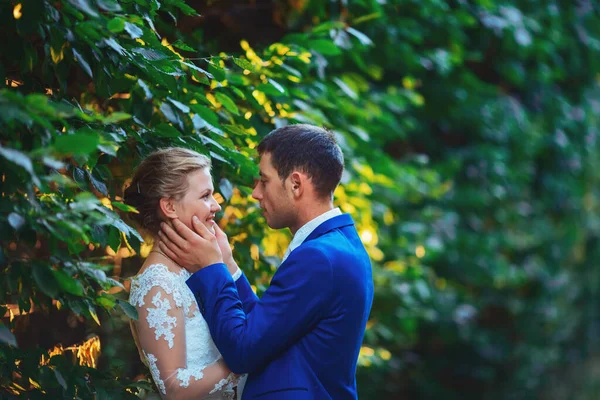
x: 171, y: 335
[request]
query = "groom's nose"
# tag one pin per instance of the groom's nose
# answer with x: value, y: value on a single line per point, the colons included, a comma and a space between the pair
x: 256, y: 193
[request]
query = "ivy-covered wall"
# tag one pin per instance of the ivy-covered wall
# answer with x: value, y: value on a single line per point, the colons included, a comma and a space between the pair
x: 470, y: 130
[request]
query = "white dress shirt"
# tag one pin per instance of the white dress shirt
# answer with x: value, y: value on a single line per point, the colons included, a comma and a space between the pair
x: 308, y: 228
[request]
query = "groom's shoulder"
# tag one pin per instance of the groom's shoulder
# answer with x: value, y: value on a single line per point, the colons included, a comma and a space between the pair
x: 335, y: 243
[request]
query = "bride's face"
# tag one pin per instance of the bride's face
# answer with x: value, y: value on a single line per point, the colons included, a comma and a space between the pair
x: 198, y: 200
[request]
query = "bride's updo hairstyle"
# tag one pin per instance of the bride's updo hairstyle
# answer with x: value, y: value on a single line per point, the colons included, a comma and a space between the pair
x: 162, y: 174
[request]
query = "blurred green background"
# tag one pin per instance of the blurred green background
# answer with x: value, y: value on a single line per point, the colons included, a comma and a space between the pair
x: 470, y: 130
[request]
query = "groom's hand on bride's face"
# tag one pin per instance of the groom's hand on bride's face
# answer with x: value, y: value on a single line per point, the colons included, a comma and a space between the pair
x: 192, y: 250
x: 223, y: 243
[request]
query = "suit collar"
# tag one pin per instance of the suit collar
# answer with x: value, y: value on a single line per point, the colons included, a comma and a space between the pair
x: 332, y: 223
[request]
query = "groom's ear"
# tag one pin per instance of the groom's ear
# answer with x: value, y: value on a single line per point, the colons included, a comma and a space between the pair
x: 167, y: 206
x: 298, y: 183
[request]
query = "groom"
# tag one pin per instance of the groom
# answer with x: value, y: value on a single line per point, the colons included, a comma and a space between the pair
x: 302, y: 338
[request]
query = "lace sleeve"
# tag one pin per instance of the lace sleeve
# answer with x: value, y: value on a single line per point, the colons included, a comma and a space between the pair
x: 160, y: 332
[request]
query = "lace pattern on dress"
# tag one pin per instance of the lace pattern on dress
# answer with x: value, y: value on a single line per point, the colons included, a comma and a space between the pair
x: 155, y: 372
x: 159, y: 319
x: 184, y: 375
x: 200, y: 348
x: 158, y: 275
x: 229, y: 381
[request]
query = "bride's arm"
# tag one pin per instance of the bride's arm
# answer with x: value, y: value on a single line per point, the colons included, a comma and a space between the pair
x: 161, y: 335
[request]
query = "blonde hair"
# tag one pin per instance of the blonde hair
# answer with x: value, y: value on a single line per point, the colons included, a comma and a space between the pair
x: 162, y: 174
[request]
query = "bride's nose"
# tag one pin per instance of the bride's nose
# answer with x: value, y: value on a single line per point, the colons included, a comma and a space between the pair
x: 215, y: 207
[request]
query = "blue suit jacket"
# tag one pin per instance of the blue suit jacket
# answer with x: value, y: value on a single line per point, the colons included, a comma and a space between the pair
x: 302, y: 338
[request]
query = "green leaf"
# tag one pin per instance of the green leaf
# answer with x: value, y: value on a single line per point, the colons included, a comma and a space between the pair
x: 198, y: 69
x: 15, y: 220
x: 18, y: 158
x: 116, y: 117
x: 236, y: 130
x: 97, y: 184
x: 112, y: 43
x: 114, y: 238
x: 292, y: 71
x: 167, y: 67
x: 85, y: 201
x: 109, y: 5
x: 106, y: 301
x: 179, y: 105
x: 95, y: 273
x: 217, y: 72
x: 115, y: 282
x: 77, y: 143
x: 142, y: 385
x: 92, y: 310
x: 169, y: 114
x: 324, y: 46
x: 84, y: 64
x: 165, y: 130
x: 59, y: 378
x: 108, y: 147
x: 6, y: 336
x: 205, y: 113
x: 150, y: 54
x: 327, y: 26
x: 227, y: 103
x: 45, y: 280
x: 133, y: 30
x: 146, y: 89
x: 277, y: 86
x: 202, y: 78
x: 364, y: 39
x: 244, y: 64
x: 238, y: 92
x: 365, y: 18
x: 219, y: 157
x: 123, y: 227
x: 116, y: 25
x: 68, y: 283
x: 226, y: 188
x: 124, y: 207
x: 84, y: 6
x: 128, y: 309
x: 272, y: 88
x: 89, y: 30
x: 187, y: 10
x: 182, y: 46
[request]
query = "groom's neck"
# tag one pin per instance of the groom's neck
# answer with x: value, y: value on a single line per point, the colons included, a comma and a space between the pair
x: 310, y: 211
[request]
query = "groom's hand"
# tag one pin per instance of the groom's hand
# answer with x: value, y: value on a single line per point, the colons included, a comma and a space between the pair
x: 191, y: 250
x: 225, y: 250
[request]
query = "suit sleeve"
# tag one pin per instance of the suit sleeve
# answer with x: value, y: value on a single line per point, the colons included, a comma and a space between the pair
x: 290, y: 308
x: 247, y: 295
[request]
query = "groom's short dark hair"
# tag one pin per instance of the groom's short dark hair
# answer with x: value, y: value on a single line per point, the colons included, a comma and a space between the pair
x: 308, y: 148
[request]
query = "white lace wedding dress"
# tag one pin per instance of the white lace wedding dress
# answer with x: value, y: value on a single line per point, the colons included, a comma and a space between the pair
x: 174, y: 340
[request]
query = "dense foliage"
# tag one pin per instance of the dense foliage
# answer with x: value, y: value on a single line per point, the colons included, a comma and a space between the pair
x: 470, y: 134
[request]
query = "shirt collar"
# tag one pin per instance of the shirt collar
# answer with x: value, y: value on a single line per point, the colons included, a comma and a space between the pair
x: 308, y: 228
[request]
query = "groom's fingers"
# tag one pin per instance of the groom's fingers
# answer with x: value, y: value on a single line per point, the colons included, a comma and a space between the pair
x: 169, y: 236
x: 219, y: 232
x: 168, y: 247
x: 184, y: 233
x: 165, y: 249
x: 201, y: 229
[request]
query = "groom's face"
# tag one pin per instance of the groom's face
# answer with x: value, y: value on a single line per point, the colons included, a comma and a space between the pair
x: 275, y: 199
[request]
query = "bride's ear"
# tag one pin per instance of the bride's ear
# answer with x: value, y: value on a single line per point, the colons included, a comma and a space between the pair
x: 167, y: 206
